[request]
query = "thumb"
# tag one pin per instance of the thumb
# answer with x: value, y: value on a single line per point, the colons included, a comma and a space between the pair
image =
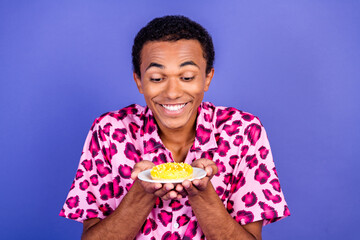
x: 209, y: 171
x: 189, y: 188
x: 134, y: 175
x: 215, y: 169
x: 135, y: 172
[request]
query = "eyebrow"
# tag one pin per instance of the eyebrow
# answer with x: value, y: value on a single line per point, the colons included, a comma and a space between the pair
x: 153, y: 64
x: 189, y: 63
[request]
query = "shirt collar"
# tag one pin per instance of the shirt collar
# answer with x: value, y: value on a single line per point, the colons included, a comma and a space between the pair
x: 152, y: 141
x: 205, y: 139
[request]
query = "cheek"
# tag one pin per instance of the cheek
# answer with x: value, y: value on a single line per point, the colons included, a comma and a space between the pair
x: 148, y: 91
x: 197, y: 90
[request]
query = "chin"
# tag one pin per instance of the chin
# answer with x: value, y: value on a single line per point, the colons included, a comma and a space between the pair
x: 174, y: 125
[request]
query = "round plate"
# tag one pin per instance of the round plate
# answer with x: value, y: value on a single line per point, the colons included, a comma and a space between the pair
x: 198, y: 173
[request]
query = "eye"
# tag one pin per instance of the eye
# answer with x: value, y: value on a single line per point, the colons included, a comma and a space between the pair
x: 155, y: 79
x: 187, y: 78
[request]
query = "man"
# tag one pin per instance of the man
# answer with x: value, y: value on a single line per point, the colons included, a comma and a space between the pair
x: 173, y: 67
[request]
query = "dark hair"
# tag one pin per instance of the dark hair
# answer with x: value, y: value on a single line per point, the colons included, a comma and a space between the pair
x: 172, y: 28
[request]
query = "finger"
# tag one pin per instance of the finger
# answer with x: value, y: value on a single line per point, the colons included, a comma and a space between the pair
x: 166, y: 188
x: 201, y: 184
x: 181, y: 191
x: 198, y: 164
x: 169, y: 186
x: 179, y: 188
x: 197, y: 182
x: 150, y: 187
x: 190, y: 188
x: 170, y: 195
x: 209, y: 171
x: 186, y: 184
x: 141, y: 166
x: 215, y: 169
x: 135, y: 173
x: 164, y: 197
x: 156, y: 186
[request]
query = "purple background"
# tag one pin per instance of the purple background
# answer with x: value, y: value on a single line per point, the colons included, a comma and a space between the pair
x: 296, y: 65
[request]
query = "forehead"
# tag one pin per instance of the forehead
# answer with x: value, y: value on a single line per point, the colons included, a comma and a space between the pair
x: 172, y: 51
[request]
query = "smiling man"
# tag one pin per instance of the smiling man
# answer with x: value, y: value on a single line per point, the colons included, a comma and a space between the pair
x: 173, y: 68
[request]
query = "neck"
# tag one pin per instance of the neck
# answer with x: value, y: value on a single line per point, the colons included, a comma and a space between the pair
x: 178, y: 142
x: 177, y: 137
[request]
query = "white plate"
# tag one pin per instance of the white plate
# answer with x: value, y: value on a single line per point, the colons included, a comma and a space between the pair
x: 198, y: 173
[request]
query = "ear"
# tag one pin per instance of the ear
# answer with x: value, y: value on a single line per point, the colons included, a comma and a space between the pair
x: 208, y: 79
x: 138, y: 82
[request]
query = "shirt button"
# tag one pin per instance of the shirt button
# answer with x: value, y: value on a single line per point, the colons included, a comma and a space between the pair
x: 176, y: 225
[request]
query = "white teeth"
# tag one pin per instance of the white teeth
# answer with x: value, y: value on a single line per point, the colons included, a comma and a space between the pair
x: 174, y: 107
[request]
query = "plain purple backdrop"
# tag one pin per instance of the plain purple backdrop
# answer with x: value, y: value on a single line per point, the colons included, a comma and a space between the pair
x: 295, y: 64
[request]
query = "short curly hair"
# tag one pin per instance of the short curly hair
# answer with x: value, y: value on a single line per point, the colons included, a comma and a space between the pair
x: 172, y: 28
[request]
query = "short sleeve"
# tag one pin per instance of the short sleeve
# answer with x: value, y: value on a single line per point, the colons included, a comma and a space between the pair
x: 255, y: 192
x: 91, y: 194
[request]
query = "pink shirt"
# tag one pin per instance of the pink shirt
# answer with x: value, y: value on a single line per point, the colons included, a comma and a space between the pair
x: 236, y: 141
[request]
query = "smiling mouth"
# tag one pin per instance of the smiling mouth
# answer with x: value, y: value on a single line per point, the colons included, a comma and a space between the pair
x: 173, y: 107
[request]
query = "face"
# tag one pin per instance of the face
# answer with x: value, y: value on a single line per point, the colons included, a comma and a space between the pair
x: 173, y: 81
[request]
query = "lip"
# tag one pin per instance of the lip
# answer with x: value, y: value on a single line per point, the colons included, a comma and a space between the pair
x: 173, y: 109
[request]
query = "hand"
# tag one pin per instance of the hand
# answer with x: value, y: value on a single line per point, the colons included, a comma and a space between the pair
x: 198, y: 185
x: 165, y: 191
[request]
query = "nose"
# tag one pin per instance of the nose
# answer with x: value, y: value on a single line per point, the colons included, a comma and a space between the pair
x: 173, y: 89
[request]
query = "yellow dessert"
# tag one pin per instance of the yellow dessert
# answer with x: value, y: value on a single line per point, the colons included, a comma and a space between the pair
x: 171, y: 171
